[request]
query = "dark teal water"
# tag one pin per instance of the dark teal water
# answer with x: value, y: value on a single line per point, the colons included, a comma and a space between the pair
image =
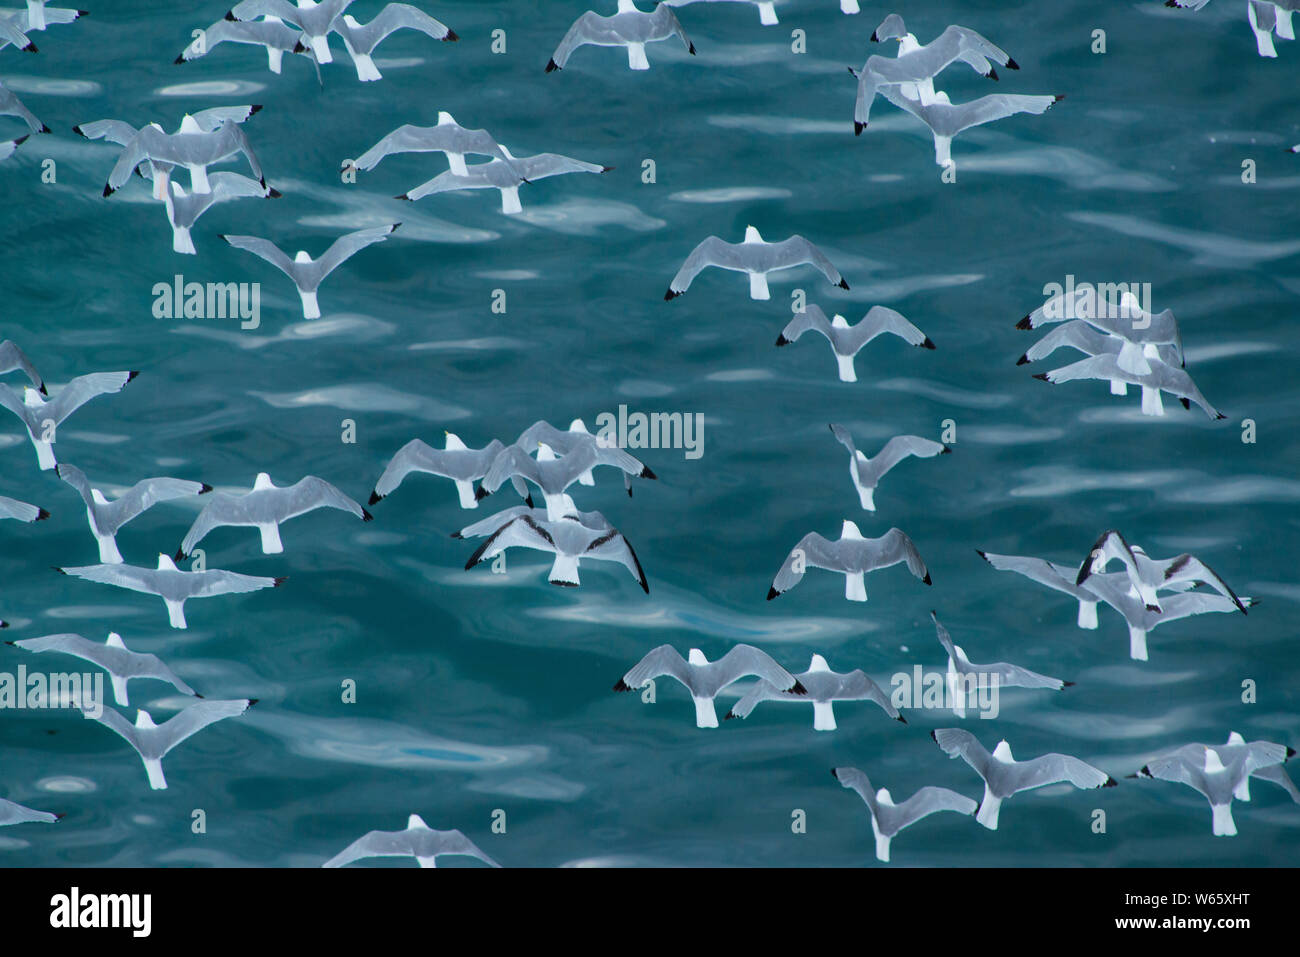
x: 479, y: 692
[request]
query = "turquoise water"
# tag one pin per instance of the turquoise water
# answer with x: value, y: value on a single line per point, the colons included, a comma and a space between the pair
x: 478, y: 692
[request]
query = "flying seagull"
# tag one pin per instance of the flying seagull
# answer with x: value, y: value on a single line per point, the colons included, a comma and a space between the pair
x: 418, y: 840
x: 10, y: 105
x: 270, y: 33
x: 867, y: 473
x: 113, y: 656
x: 913, y: 71
x: 1005, y: 675
x: 766, y: 8
x: 629, y: 27
x: 184, y: 209
x: 13, y: 359
x: 888, y: 818
x: 1136, y: 328
x: 505, y: 175
x: 754, y: 257
x: 447, y: 137
x: 11, y: 34
x: 571, y: 538
x: 43, y: 417
x: 1219, y: 772
x: 457, y: 462
x: 123, y: 134
x: 1004, y: 776
x: 946, y: 119
x: 1163, y: 377
x: 192, y: 147
x: 37, y: 16
x: 1059, y: 577
x: 153, y: 741
x: 576, y: 437
x: 549, y: 472
x: 1179, y: 570
x: 1080, y: 334
x: 704, y: 679
x: 848, y: 340
x: 172, y: 585
x: 106, y: 517
x: 1112, y: 546
x: 312, y: 18
x: 851, y: 556
x: 824, y: 687
x: 307, y: 273
x: 265, y: 507
x: 11, y: 813
x: 360, y: 39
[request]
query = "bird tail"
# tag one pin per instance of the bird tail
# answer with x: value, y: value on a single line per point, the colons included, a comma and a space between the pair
x: 823, y: 716
x: 271, y: 544
x: 1224, y: 826
x: 564, y: 571
x: 1088, y: 614
x: 705, y: 715
x: 153, y: 767
x: 988, y: 812
x: 175, y: 613
x: 1137, y: 643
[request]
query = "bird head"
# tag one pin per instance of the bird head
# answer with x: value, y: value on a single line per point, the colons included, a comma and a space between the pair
x: 142, y: 719
x: 850, y: 530
x: 696, y: 657
x: 752, y: 236
x: 301, y: 256
x: 1003, y: 751
x: 839, y: 322
x: 453, y: 441
x: 416, y: 821
x: 262, y: 481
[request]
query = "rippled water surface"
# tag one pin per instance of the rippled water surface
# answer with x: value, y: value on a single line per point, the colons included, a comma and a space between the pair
x: 477, y: 691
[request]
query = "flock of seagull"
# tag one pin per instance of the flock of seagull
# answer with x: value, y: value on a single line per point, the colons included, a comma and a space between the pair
x: 1123, y: 344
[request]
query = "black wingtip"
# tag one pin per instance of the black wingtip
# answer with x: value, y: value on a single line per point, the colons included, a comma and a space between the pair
x: 670, y: 295
x: 405, y: 197
x: 902, y: 719
x: 132, y: 374
x: 551, y: 66
x: 280, y: 581
x: 1041, y: 375
x: 728, y: 716
x: 874, y: 39
x: 781, y: 340
x: 858, y: 128
x: 798, y: 688
x: 772, y: 593
x: 42, y: 515
x: 835, y: 773
x: 1184, y: 402
x: 1023, y: 360
x: 43, y: 390
x: 844, y: 285
x: 981, y: 554
x: 108, y: 190
x: 59, y: 817
x: 933, y: 735
x: 647, y: 474
x: 691, y: 49
x: 57, y: 569
x: 1067, y: 684
x: 366, y: 516
x: 928, y: 344
x: 1059, y: 98
x: 451, y: 37
x: 179, y: 556
x: 179, y: 60
x: 1012, y: 64
x: 31, y: 48
x: 621, y: 685
x: 273, y: 193
x: 528, y: 500
x: 298, y: 47
x: 1024, y: 324
x: 252, y: 701
x: 926, y: 579
x: 1110, y: 783
x: 375, y: 498
x: 481, y: 493
x: 947, y: 450
x: 992, y: 74
x: 1290, y: 752
x: 230, y: 15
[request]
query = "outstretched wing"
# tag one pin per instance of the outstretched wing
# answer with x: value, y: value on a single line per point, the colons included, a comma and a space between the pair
x: 84, y: 388
x: 811, y: 318
x: 347, y: 246
x: 198, y: 716
x: 613, y: 547
x: 663, y: 660
x: 263, y: 249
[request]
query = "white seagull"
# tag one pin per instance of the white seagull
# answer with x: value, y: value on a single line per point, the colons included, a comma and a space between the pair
x: 121, y: 663
x: 307, y: 273
x: 1006, y: 675
x: 312, y: 18
x: 946, y: 119
x: 578, y: 436
x: 184, y: 209
x: 505, y: 175
x: 42, y: 417
x: 172, y: 585
x: 192, y: 147
x: 755, y: 257
x: 704, y: 678
x: 457, y: 462
x: 1219, y: 772
x: 264, y: 507
x: 888, y: 818
x: 629, y: 27
x: 270, y: 33
x: 571, y: 538
x: 1161, y: 378
x: 107, y: 517
x: 360, y: 39
x: 851, y: 556
x: 867, y: 473
x: 447, y: 137
x: 418, y: 840
x: 824, y: 687
x: 1004, y: 776
x: 847, y: 340
x: 153, y: 741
